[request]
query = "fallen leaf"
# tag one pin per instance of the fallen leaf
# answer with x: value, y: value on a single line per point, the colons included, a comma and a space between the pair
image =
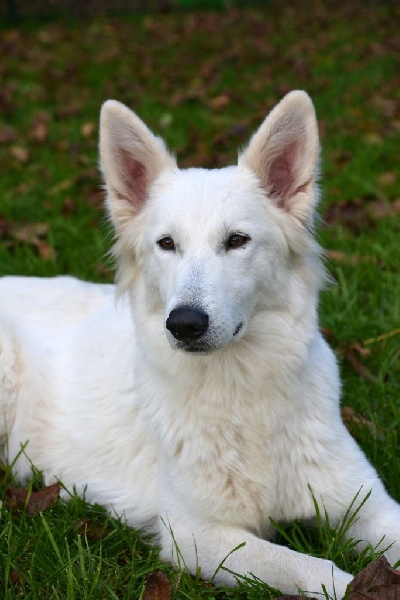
x: 378, y: 581
x: 92, y: 529
x: 157, y: 587
x: 32, y: 234
x: 20, y: 153
x: 360, y: 349
x: 7, y: 134
x: 64, y: 185
x: 104, y: 270
x: 3, y: 471
x: 33, y: 502
x: 350, y: 259
x: 359, y: 368
x: 18, y: 579
x: 220, y: 101
x: 88, y: 129
x: 39, y: 129
x: 28, y: 233
x: 68, y: 206
x: 387, y: 178
x: 95, y: 197
x: 354, y: 421
x: 360, y: 212
x: 45, y: 251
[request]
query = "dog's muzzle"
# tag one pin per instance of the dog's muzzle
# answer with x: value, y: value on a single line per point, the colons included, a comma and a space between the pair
x: 187, y: 324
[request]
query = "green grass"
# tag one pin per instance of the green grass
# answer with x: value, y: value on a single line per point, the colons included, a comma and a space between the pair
x: 204, y: 81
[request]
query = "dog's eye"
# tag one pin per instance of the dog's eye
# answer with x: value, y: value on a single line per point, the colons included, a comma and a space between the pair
x: 236, y: 240
x: 166, y: 243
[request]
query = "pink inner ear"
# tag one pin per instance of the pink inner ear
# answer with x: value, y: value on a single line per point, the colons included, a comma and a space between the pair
x: 280, y: 177
x: 281, y: 173
x: 134, y: 180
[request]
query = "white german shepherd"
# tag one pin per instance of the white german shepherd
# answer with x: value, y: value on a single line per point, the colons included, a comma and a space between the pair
x: 214, y: 405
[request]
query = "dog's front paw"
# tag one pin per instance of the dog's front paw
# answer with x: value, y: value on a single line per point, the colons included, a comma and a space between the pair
x: 324, y: 574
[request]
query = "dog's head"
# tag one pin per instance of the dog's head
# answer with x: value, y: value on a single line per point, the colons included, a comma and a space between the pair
x: 212, y: 248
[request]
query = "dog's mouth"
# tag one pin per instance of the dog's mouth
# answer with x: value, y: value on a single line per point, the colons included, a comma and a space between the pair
x: 192, y: 331
x: 202, y: 345
x: 238, y: 328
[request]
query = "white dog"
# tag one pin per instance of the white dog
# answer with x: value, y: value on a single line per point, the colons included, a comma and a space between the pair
x: 214, y: 406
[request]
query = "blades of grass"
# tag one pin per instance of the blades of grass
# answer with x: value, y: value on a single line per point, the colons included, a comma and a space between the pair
x: 7, y: 534
x: 221, y: 564
x: 52, y: 539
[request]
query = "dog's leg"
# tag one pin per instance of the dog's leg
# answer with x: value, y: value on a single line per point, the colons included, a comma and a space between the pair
x: 9, y: 370
x: 344, y: 479
x: 379, y: 524
x: 221, y: 551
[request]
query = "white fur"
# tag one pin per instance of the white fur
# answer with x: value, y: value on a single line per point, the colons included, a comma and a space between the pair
x: 208, y: 438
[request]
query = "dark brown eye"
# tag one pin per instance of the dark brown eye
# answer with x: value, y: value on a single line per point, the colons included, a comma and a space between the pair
x: 166, y: 243
x: 236, y: 240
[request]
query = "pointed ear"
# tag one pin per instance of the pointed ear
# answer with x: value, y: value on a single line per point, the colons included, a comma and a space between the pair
x: 131, y: 159
x: 284, y: 154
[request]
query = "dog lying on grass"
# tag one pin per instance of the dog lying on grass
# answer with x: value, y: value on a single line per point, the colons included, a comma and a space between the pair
x: 208, y: 404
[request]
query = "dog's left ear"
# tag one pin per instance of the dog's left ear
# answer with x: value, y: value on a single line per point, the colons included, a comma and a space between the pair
x: 284, y: 154
x: 131, y: 159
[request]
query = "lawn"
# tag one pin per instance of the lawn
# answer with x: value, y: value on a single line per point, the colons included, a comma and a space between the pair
x: 203, y: 80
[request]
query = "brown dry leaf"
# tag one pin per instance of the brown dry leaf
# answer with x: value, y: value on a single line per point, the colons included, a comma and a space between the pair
x: 380, y: 209
x: 7, y: 134
x: 18, y: 579
x: 104, y: 270
x: 354, y: 421
x: 95, y: 197
x: 220, y: 101
x: 387, y: 178
x: 350, y: 259
x: 88, y: 129
x: 361, y: 349
x: 68, y: 206
x: 34, y: 502
x: 92, y: 529
x: 360, y: 212
x: 378, y: 581
x: 3, y: 471
x: 45, y: 251
x: 20, y: 153
x: 64, y: 185
x: 157, y: 587
x: 32, y: 234
x: 359, y: 368
x: 29, y: 233
x: 39, y: 129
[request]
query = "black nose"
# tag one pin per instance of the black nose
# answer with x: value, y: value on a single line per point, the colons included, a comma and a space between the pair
x: 187, y: 323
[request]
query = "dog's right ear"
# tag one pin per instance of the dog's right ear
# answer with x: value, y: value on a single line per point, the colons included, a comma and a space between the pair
x: 131, y: 158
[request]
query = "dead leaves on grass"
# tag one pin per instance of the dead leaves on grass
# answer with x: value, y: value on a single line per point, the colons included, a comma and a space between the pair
x: 378, y: 581
x: 360, y: 213
x: 157, y: 587
x: 356, y: 422
x: 32, y: 234
x: 353, y: 352
x: 20, y: 499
